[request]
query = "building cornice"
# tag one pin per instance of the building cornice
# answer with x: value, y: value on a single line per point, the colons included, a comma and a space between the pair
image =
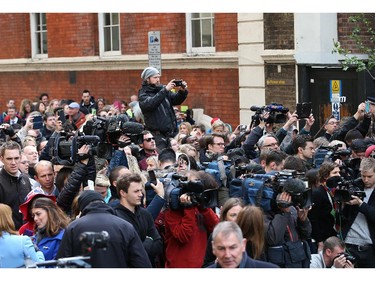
x: 124, y: 62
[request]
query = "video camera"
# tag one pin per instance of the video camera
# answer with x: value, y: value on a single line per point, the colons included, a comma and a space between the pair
x: 344, y: 189
x: 179, y: 185
x: 294, y: 183
x: 97, y: 240
x: 64, y: 147
x: 277, y: 113
x: 102, y: 134
x: 111, y: 128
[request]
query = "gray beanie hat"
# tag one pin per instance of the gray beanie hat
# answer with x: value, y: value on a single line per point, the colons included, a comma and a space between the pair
x: 148, y: 72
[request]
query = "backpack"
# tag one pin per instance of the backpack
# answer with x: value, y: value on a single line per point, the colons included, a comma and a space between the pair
x: 220, y: 170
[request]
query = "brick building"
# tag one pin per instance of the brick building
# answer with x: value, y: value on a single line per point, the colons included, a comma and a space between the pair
x: 230, y: 61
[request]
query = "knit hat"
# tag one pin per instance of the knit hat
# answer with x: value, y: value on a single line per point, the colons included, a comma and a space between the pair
x: 213, y: 120
x: 88, y: 196
x: 148, y: 72
x: 369, y: 150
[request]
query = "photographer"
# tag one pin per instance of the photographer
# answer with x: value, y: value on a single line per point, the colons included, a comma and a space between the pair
x: 156, y: 102
x: 332, y: 256
x: 358, y: 215
x: 288, y: 228
x: 187, y: 229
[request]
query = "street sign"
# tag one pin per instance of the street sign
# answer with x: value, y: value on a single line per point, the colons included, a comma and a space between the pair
x: 154, y: 54
x: 336, y: 98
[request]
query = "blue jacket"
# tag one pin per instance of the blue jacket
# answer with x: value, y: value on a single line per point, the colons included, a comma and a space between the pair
x: 15, y: 248
x: 50, y: 245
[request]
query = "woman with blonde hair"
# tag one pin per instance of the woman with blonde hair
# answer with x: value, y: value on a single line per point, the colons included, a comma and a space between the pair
x: 50, y: 223
x: 15, y: 249
x: 251, y: 221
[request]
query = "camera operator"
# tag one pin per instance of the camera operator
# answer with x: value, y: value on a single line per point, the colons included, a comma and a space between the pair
x: 288, y: 228
x: 332, y: 256
x: 187, y: 229
x: 358, y: 216
x: 156, y: 102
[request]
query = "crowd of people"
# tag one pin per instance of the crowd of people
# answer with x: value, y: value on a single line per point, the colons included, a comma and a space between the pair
x: 161, y: 196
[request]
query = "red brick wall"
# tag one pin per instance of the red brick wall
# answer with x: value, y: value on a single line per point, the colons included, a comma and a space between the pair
x: 15, y: 36
x: 345, y: 28
x: 72, y: 35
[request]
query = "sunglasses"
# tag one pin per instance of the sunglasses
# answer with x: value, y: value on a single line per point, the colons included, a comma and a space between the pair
x: 149, y: 139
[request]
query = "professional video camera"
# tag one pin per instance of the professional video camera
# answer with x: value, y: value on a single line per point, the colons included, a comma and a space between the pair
x: 102, y: 134
x: 294, y: 183
x: 195, y: 189
x: 331, y: 153
x: 94, y: 240
x: 111, y: 128
x: 344, y: 189
x: 64, y: 147
x: 277, y: 113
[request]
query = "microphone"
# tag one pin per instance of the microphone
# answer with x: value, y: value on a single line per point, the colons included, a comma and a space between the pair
x: 255, y: 108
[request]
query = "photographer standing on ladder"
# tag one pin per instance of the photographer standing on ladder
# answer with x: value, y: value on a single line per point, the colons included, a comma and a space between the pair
x: 156, y: 102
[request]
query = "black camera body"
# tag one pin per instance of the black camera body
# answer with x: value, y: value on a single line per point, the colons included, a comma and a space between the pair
x: 344, y: 189
x: 348, y: 257
x: 178, y: 83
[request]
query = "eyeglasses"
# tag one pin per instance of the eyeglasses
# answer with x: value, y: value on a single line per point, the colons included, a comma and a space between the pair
x: 149, y: 139
x: 219, y: 143
x: 333, y: 123
x: 271, y: 144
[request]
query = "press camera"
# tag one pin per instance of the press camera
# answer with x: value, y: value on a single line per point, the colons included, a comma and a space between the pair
x: 276, y: 113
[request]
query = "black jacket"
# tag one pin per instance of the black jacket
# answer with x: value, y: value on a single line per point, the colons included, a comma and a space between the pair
x: 124, y: 249
x: 157, y: 104
x: 145, y: 227
x: 322, y: 221
x: 13, y: 191
x: 72, y: 187
x: 86, y: 108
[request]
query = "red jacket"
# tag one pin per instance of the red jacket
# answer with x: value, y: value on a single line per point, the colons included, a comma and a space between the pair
x: 185, y: 240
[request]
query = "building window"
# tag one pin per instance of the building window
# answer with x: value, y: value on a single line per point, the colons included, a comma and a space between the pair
x: 200, y: 32
x: 38, y: 25
x: 109, y: 34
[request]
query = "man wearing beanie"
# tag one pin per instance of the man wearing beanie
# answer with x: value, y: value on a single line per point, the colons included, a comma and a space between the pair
x: 156, y: 102
x: 124, y: 248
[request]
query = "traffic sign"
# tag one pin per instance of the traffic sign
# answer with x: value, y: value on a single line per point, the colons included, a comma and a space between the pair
x: 154, y: 54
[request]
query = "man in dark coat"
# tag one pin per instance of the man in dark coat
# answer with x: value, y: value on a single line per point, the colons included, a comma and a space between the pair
x: 130, y: 191
x: 156, y: 102
x: 124, y: 248
x: 14, y: 186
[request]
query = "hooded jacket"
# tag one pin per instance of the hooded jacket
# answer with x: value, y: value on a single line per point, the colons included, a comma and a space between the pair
x: 156, y: 103
x: 124, y: 249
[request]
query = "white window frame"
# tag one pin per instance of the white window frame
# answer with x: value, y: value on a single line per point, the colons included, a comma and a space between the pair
x: 101, y: 37
x: 34, y: 37
x: 189, y: 42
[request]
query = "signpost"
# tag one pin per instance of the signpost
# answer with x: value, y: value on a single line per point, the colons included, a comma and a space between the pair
x: 154, y: 54
x: 336, y: 97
